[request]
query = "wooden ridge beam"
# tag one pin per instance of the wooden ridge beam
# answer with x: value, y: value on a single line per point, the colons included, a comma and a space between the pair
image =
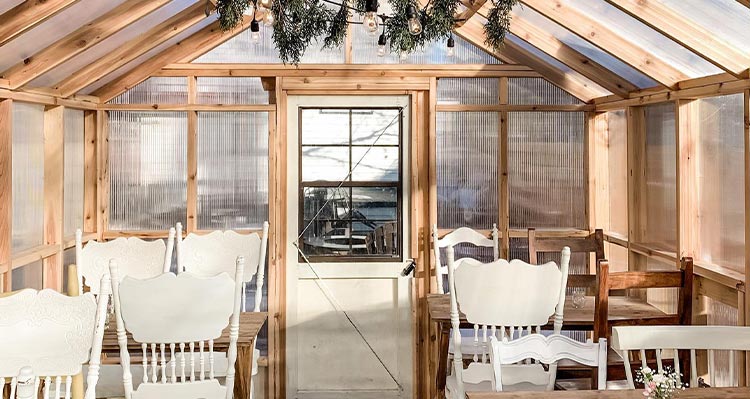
x: 688, y: 34
x: 547, y: 42
x: 132, y: 49
x: 27, y: 15
x: 573, y: 83
x: 198, y: 43
x: 605, y: 38
x: 472, y: 6
x: 82, y: 39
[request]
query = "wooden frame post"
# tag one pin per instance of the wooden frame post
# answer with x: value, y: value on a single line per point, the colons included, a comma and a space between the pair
x: 6, y: 192
x: 686, y: 125
x: 636, y: 119
x: 745, y: 308
x: 192, y: 158
x: 89, y: 172
x: 102, y: 160
x: 432, y: 137
x: 54, y: 166
x: 502, y: 172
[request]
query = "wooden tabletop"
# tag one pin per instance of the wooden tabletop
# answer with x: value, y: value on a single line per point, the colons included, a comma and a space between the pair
x: 697, y: 393
x: 250, y: 324
x: 621, y: 308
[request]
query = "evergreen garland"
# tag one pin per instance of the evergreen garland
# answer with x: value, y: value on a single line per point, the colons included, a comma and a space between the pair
x: 300, y: 22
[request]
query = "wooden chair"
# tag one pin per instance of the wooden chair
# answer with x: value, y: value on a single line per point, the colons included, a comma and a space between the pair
x: 216, y: 252
x: 136, y: 257
x: 676, y: 339
x: 591, y: 244
x: 547, y: 350
x: 53, y: 335
x: 24, y: 386
x: 177, y: 314
x: 460, y: 236
x: 499, y: 295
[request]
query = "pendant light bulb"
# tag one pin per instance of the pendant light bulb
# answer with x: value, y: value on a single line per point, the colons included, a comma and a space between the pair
x: 450, y: 52
x: 381, y: 45
x: 265, y: 3
x: 415, y: 26
x: 250, y: 10
x: 403, y: 56
x: 255, y: 31
x: 370, y: 19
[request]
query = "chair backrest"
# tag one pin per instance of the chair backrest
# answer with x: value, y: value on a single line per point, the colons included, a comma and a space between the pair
x: 607, y: 282
x: 547, y: 350
x: 216, y: 252
x: 591, y: 244
x: 500, y: 295
x: 171, y: 314
x: 639, y: 339
x: 136, y: 257
x: 462, y: 235
x: 54, y: 335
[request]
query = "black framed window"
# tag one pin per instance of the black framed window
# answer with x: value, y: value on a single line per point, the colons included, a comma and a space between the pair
x: 350, y: 184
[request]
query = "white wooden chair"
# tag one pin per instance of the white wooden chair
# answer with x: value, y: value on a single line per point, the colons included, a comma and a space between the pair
x: 136, y: 257
x: 178, y: 314
x: 462, y: 235
x: 667, y: 340
x: 505, y: 354
x: 499, y: 295
x: 52, y: 335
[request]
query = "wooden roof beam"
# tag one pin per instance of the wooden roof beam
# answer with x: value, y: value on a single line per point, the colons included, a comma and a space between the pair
x: 548, y: 43
x: 84, y: 38
x: 27, y: 15
x: 472, y: 6
x: 199, y: 43
x: 688, y: 34
x: 745, y: 3
x: 573, y: 83
x: 605, y: 38
x: 132, y: 50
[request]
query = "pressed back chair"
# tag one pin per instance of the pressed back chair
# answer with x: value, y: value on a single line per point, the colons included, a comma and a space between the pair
x: 681, y: 341
x: 135, y: 257
x: 173, y: 315
x: 591, y: 244
x: 547, y: 350
x: 499, y: 295
x: 461, y: 235
x: 53, y: 335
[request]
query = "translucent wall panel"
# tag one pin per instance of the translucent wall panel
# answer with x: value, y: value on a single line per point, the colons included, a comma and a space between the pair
x: 156, y: 90
x: 467, y: 169
x: 28, y: 176
x: 484, y: 91
x: 547, y: 179
x: 69, y: 258
x: 617, y: 147
x: 720, y: 314
x: 212, y: 90
x: 720, y: 182
x: 28, y: 276
x: 727, y: 19
x: 523, y: 91
x: 232, y: 170
x: 73, y: 174
x: 148, y: 170
x: 660, y: 226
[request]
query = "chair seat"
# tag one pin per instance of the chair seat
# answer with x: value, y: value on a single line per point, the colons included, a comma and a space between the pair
x: 516, y: 377
x: 208, y: 389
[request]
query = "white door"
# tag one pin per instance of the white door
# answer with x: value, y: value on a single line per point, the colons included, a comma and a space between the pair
x: 349, y: 324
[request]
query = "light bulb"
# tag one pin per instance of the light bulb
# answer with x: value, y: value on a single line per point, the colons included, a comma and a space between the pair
x: 268, y: 19
x: 254, y: 31
x: 255, y: 37
x: 450, y: 52
x: 250, y: 10
x: 381, y: 45
x: 402, y: 56
x: 370, y: 22
x: 415, y: 26
x: 265, y: 3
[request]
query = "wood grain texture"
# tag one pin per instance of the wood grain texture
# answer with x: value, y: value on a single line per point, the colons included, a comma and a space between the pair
x: 503, y: 195
x: 745, y: 307
x: 27, y: 15
x: 80, y: 40
x: 89, y: 172
x: 192, y: 159
x: 6, y: 184
x: 693, y: 393
x: 54, y: 165
x: 102, y: 169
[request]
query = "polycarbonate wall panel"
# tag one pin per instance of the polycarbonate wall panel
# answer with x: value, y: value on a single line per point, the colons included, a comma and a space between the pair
x: 156, y: 90
x: 485, y: 91
x: 148, y: 170
x: 232, y: 170
x: 28, y: 276
x: 617, y: 147
x: 720, y: 182
x: 73, y: 174
x: 547, y: 179
x: 660, y: 225
x: 727, y: 19
x: 467, y: 169
x: 212, y: 90
x: 720, y: 314
x: 28, y: 176
x: 524, y: 91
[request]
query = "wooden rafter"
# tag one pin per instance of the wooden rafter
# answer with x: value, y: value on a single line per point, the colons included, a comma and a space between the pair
x: 131, y: 50
x: 27, y: 15
x: 745, y: 3
x: 547, y: 42
x: 572, y: 82
x: 605, y: 38
x: 472, y: 6
x: 688, y: 34
x: 198, y: 43
x: 84, y: 38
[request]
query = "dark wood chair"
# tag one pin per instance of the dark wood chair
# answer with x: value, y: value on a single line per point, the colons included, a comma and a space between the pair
x: 591, y: 244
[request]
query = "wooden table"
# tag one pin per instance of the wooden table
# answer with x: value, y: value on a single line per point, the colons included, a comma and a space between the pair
x: 622, y: 310
x: 250, y: 324
x: 696, y: 393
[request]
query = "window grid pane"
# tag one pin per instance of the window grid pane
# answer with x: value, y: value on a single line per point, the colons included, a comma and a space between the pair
x: 156, y: 90
x: 219, y: 90
x: 660, y: 224
x: 28, y: 176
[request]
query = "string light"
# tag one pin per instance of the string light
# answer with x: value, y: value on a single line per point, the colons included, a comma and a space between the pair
x: 370, y: 19
x: 250, y: 10
x: 381, y: 44
x: 265, y: 3
x: 450, y: 52
x: 255, y: 31
x: 415, y: 26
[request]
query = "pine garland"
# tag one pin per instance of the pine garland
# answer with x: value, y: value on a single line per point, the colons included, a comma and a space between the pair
x: 300, y: 22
